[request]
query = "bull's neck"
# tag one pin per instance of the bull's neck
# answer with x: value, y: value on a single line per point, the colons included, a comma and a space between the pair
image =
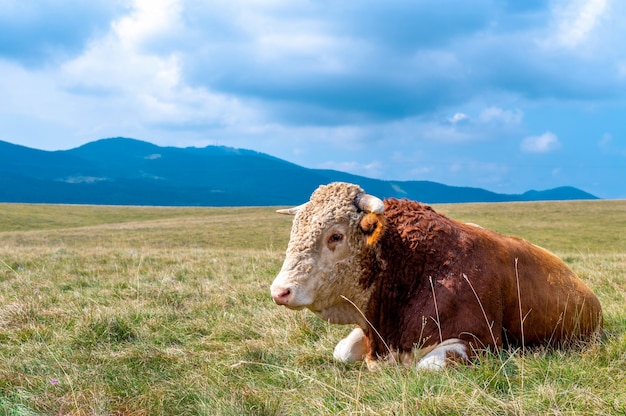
x: 347, y: 312
x: 396, y: 283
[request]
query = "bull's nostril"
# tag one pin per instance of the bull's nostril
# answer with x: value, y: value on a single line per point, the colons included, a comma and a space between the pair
x: 281, y: 296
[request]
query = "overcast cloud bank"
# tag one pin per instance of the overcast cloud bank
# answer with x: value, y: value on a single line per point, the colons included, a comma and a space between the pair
x: 508, y: 96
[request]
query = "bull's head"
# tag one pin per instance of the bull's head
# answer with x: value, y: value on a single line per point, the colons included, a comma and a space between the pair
x: 329, y: 236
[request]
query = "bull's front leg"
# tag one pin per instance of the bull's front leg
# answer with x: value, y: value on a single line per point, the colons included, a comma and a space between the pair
x: 437, y: 358
x: 351, y: 348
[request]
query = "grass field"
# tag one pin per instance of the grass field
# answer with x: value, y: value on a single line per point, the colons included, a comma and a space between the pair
x: 166, y: 311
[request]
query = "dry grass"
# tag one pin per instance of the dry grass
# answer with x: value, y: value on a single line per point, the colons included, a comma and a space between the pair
x: 147, y: 311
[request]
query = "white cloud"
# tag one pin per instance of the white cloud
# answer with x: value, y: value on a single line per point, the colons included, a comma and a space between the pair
x: 545, y: 143
x: 146, y: 84
x: 360, y: 81
x: 148, y: 18
x: 498, y: 115
x: 457, y: 118
x: 576, y: 21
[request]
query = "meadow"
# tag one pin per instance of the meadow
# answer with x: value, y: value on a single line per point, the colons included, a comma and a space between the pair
x: 166, y: 311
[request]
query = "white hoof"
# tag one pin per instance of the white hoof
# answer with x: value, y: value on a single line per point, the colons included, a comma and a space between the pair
x: 351, y: 348
x: 438, y: 357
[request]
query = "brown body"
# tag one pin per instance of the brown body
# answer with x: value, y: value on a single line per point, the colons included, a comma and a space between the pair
x: 434, y: 278
x: 410, y: 278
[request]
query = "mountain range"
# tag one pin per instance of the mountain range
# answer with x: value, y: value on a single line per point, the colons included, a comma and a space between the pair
x: 122, y: 171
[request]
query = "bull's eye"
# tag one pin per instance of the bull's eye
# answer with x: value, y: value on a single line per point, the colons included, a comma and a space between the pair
x: 334, y: 239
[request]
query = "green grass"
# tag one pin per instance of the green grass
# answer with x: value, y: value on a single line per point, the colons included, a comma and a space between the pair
x: 166, y: 311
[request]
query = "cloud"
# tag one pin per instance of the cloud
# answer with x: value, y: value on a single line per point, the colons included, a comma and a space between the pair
x: 36, y: 33
x: 408, y: 25
x: 364, y: 81
x: 576, y: 21
x: 458, y: 118
x: 148, y: 85
x: 326, y: 64
x: 333, y: 64
x: 501, y: 116
x: 355, y: 60
x: 545, y: 143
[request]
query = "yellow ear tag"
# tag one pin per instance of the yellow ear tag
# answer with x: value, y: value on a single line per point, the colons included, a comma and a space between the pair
x: 374, y: 225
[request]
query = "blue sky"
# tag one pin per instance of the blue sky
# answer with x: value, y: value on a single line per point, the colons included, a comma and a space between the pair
x: 503, y: 95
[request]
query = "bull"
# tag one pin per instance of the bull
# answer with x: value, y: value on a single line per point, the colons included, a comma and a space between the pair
x: 422, y: 288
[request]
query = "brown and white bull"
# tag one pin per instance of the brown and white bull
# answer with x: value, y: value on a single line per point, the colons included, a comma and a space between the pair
x: 421, y: 286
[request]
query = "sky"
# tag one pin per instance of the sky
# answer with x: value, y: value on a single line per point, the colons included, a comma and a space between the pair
x: 503, y: 95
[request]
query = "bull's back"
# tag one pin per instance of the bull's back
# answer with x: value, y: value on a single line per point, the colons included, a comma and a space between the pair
x: 527, y: 290
x: 556, y: 305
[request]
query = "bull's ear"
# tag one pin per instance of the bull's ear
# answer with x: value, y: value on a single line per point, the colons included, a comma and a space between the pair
x: 373, y: 225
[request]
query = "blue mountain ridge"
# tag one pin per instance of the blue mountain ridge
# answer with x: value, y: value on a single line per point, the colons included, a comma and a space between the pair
x: 122, y: 171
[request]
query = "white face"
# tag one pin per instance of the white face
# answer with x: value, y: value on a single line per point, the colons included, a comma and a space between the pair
x: 322, y: 267
x: 311, y: 276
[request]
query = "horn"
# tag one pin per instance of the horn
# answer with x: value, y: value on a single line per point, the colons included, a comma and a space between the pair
x: 291, y: 211
x: 370, y: 204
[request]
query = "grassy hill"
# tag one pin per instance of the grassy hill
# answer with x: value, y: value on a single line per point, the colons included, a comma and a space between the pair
x: 147, y: 310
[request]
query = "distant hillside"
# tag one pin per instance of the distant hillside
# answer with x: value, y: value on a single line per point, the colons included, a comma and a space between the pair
x: 121, y: 171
